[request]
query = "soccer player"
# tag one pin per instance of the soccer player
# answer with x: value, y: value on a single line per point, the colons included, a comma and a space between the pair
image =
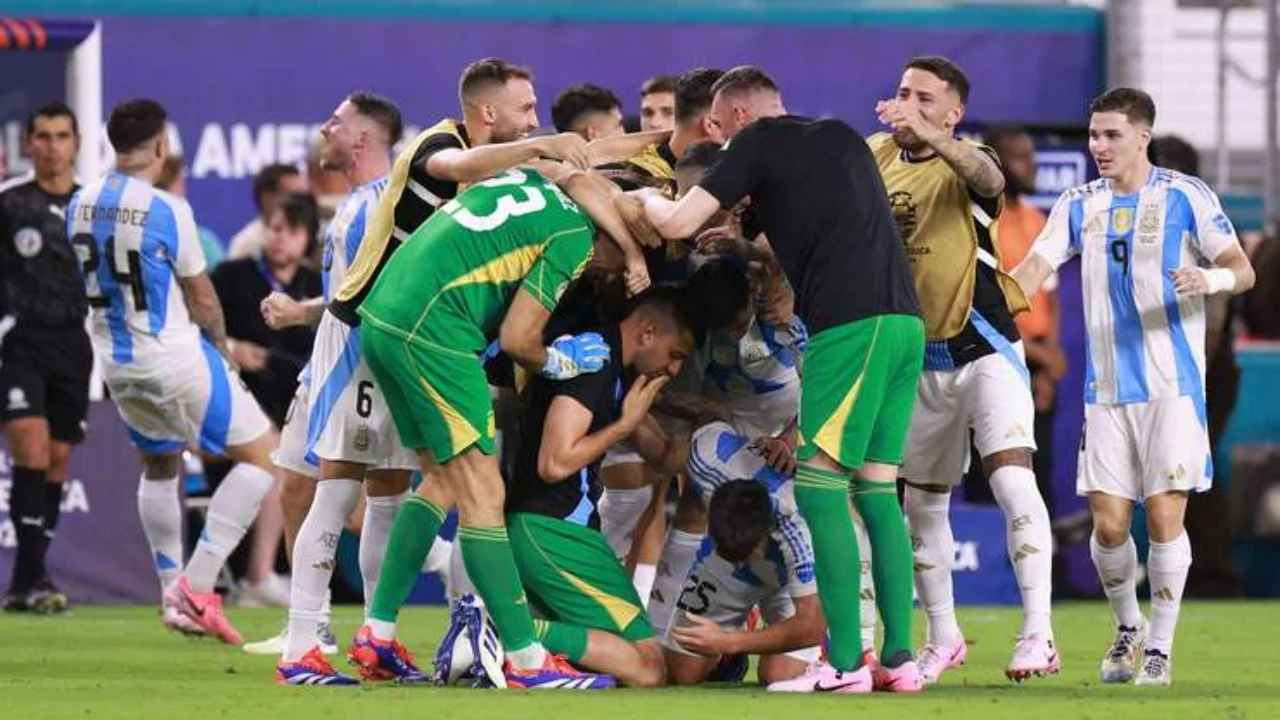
x: 551, y: 510
x: 151, y: 300
x: 46, y: 358
x: 492, y: 265
x: 357, y: 143
x: 1153, y: 243
x: 758, y: 553
x: 658, y: 103
x: 817, y: 195
x: 349, y: 424
x: 588, y: 110
x: 945, y: 194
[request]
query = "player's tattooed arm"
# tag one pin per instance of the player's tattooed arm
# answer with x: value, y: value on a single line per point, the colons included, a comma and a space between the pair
x: 205, y: 310
x: 974, y: 165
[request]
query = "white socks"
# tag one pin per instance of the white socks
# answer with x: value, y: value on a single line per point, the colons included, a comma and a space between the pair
x: 161, y: 513
x: 313, y: 557
x: 379, y: 513
x: 934, y: 552
x: 1118, y: 570
x: 231, y: 511
x: 642, y: 579
x: 1030, y: 541
x: 620, y: 510
x: 1167, y: 565
x: 867, y: 591
x: 678, y: 554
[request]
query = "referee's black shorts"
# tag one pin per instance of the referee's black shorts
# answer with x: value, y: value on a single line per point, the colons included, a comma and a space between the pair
x: 44, y: 372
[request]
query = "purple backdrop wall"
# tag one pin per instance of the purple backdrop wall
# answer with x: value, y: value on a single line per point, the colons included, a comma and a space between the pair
x: 243, y: 92
x: 101, y: 555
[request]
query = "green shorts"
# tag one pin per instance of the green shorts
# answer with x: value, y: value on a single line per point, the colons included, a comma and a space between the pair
x: 860, y: 389
x: 439, y: 398
x: 571, y: 575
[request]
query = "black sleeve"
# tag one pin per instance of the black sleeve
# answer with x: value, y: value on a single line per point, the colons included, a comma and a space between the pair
x: 593, y: 390
x: 418, y: 168
x: 738, y: 169
x: 990, y: 206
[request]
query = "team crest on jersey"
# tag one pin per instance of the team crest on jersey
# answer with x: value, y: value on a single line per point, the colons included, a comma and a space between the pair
x: 361, y: 439
x: 1122, y: 220
x: 28, y: 242
x: 904, y: 213
x: 18, y: 399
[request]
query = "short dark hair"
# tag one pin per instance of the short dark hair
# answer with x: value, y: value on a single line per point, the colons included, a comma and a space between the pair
x: 268, y: 180
x: 300, y: 211
x: 53, y: 110
x: 699, y: 156
x: 946, y: 70
x: 1133, y: 103
x: 993, y: 135
x: 382, y: 111
x: 1174, y: 153
x: 744, y: 77
x: 693, y: 92
x: 721, y: 291
x: 487, y: 72
x: 134, y: 123
x: 578, y: 100
x: 678, y: 303
x: 739, y: 518
x: 659, y: 84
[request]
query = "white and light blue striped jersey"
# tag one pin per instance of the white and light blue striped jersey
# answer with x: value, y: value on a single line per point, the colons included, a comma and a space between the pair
x: 718, y: 455
x: 756, y: 378
x: 1145, y: 342
x: 134, y: 241
x: 343, y: 234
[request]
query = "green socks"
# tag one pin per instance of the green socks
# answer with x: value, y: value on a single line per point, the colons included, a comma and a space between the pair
x: 562, y: 639
x: 486, y: 552
x: 412, y: 535
x: 891, y: 567
x: 822, y: 497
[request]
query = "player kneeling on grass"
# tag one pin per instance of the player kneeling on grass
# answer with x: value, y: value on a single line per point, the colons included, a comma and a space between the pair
x: 758, y: 553
x: 587, y: 607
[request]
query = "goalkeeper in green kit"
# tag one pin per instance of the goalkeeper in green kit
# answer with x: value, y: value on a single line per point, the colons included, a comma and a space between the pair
x: 490, y: 265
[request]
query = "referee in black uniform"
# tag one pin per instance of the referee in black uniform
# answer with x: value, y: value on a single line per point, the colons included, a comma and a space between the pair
x: 45, y: 355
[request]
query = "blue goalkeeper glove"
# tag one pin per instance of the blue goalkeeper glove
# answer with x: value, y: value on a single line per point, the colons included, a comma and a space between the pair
x: 573, y: 355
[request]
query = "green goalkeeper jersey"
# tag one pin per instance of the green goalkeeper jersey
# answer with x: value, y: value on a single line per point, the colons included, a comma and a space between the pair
x: 449, y: 285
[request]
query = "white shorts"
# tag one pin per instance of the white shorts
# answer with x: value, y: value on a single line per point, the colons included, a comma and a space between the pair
x: 292, y: 453
x: 715, y: 591
x: 349, y: 420
x: 1138, y: 450
x: 184, y: 395
x: 990, y: 395
x: 623, y: 453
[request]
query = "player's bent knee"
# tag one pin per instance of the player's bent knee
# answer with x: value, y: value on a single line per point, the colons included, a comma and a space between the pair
x: 297, y: 491
x: 653, y: 668
x: 685, y: 670
x: 380, y: 483
x: 1166, y: 514
x: 59, y: 462
x: 1013, y: 457
x: 161, y: 467
x: 29, y: 442
x: 257, y: 452
x: 878, y: 472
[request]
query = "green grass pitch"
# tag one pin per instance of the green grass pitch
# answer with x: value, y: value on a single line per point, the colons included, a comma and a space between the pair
x: 120, y: 663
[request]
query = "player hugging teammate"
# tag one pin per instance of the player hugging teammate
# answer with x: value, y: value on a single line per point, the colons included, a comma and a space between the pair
x: 804, y: 354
